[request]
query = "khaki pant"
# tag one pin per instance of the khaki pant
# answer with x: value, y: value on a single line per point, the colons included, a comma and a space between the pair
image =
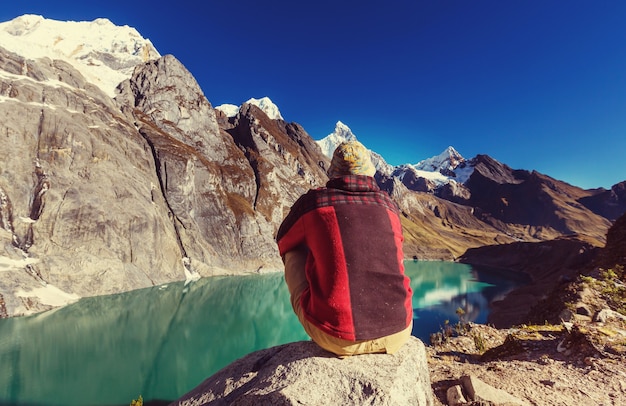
x: 296, y: 283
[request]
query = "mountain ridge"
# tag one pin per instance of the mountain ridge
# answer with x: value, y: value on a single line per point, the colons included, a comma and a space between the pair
x: 125, y: 44
x: 102, y: 194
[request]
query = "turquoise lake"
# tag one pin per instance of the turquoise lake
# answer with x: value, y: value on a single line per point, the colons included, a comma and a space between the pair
x: 161, y: 342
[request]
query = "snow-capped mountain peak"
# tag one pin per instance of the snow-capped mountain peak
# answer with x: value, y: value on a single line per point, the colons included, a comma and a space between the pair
x: 267, y: 106
x: 341, y: 133
x: 106, y: 54
x: 103, y: 52
x: 264, y: 103
x: 344, y: 132
x: 230, y: 110
x: 439, y: 170
x: 448, y: 160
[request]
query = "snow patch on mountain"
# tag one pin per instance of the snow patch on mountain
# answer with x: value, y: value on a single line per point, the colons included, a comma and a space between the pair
x: 103, y: 52
x: 341, y: 134
x: 448, y: 160
x: 449, y: 163
x: 229, y: 109
x: 264, y: 103
x: 437, y: 178
x: 463, y: 173
x: 268, y: 107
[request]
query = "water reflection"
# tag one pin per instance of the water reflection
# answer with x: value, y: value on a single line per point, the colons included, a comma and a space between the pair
x: 158, y: 342
x: 163, y: 341
x: 440, y: 288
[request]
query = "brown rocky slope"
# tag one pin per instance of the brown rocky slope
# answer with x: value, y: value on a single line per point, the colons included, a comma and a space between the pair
x: 570, y: 348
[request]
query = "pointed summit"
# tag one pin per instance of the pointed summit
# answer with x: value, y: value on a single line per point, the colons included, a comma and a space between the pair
x: 448, y: 160
x: 329, y: 143
x: 439, y: 170
x: 344, y: 132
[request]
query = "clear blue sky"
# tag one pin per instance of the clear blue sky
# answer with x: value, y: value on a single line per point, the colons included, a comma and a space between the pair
x: 536, y: 84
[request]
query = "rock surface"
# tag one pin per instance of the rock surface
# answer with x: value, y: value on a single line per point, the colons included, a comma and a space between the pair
x: 577, y: 357
x: 302, y: 373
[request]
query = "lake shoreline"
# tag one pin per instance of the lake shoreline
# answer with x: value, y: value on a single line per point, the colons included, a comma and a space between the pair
x: 547, y: 264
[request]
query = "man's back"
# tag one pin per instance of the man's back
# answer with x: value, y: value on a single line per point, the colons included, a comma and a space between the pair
x: 355, y: 266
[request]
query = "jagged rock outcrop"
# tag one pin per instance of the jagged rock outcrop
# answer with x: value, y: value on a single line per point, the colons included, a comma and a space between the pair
x: 302, y: 373
x: 417, y: 183
x: 614, y: 252
x: 454, y: 192
x: 285, y: 160
x: 206, y: 181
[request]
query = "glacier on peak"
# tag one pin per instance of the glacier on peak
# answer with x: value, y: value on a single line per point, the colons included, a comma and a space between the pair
x: 448, y: 166
x: 448, y: 160
x: 103, y: 52
x: 265, y: 104
x: 344, y: 132
x: 341, y: 133
x: 230, y: 110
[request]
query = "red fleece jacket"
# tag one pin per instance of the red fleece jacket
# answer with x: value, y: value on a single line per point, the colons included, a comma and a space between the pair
x: 357, y: 286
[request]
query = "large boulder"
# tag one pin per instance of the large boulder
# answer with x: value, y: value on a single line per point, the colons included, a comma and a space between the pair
x: 302, y: 373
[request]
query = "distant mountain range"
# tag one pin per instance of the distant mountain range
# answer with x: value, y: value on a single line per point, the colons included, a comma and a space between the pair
x: 438, y: 170
x: 117, y: 173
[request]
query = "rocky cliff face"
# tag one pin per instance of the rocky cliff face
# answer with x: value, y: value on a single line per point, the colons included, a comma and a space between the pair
x: 206, y: 181
x: 77, y: 184
x: 99, y: 196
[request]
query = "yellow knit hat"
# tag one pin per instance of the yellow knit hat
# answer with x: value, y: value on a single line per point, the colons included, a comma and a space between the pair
x: 351, y: 158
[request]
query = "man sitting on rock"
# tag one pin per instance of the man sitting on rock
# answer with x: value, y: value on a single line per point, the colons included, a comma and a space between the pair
x: 342, y: 250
